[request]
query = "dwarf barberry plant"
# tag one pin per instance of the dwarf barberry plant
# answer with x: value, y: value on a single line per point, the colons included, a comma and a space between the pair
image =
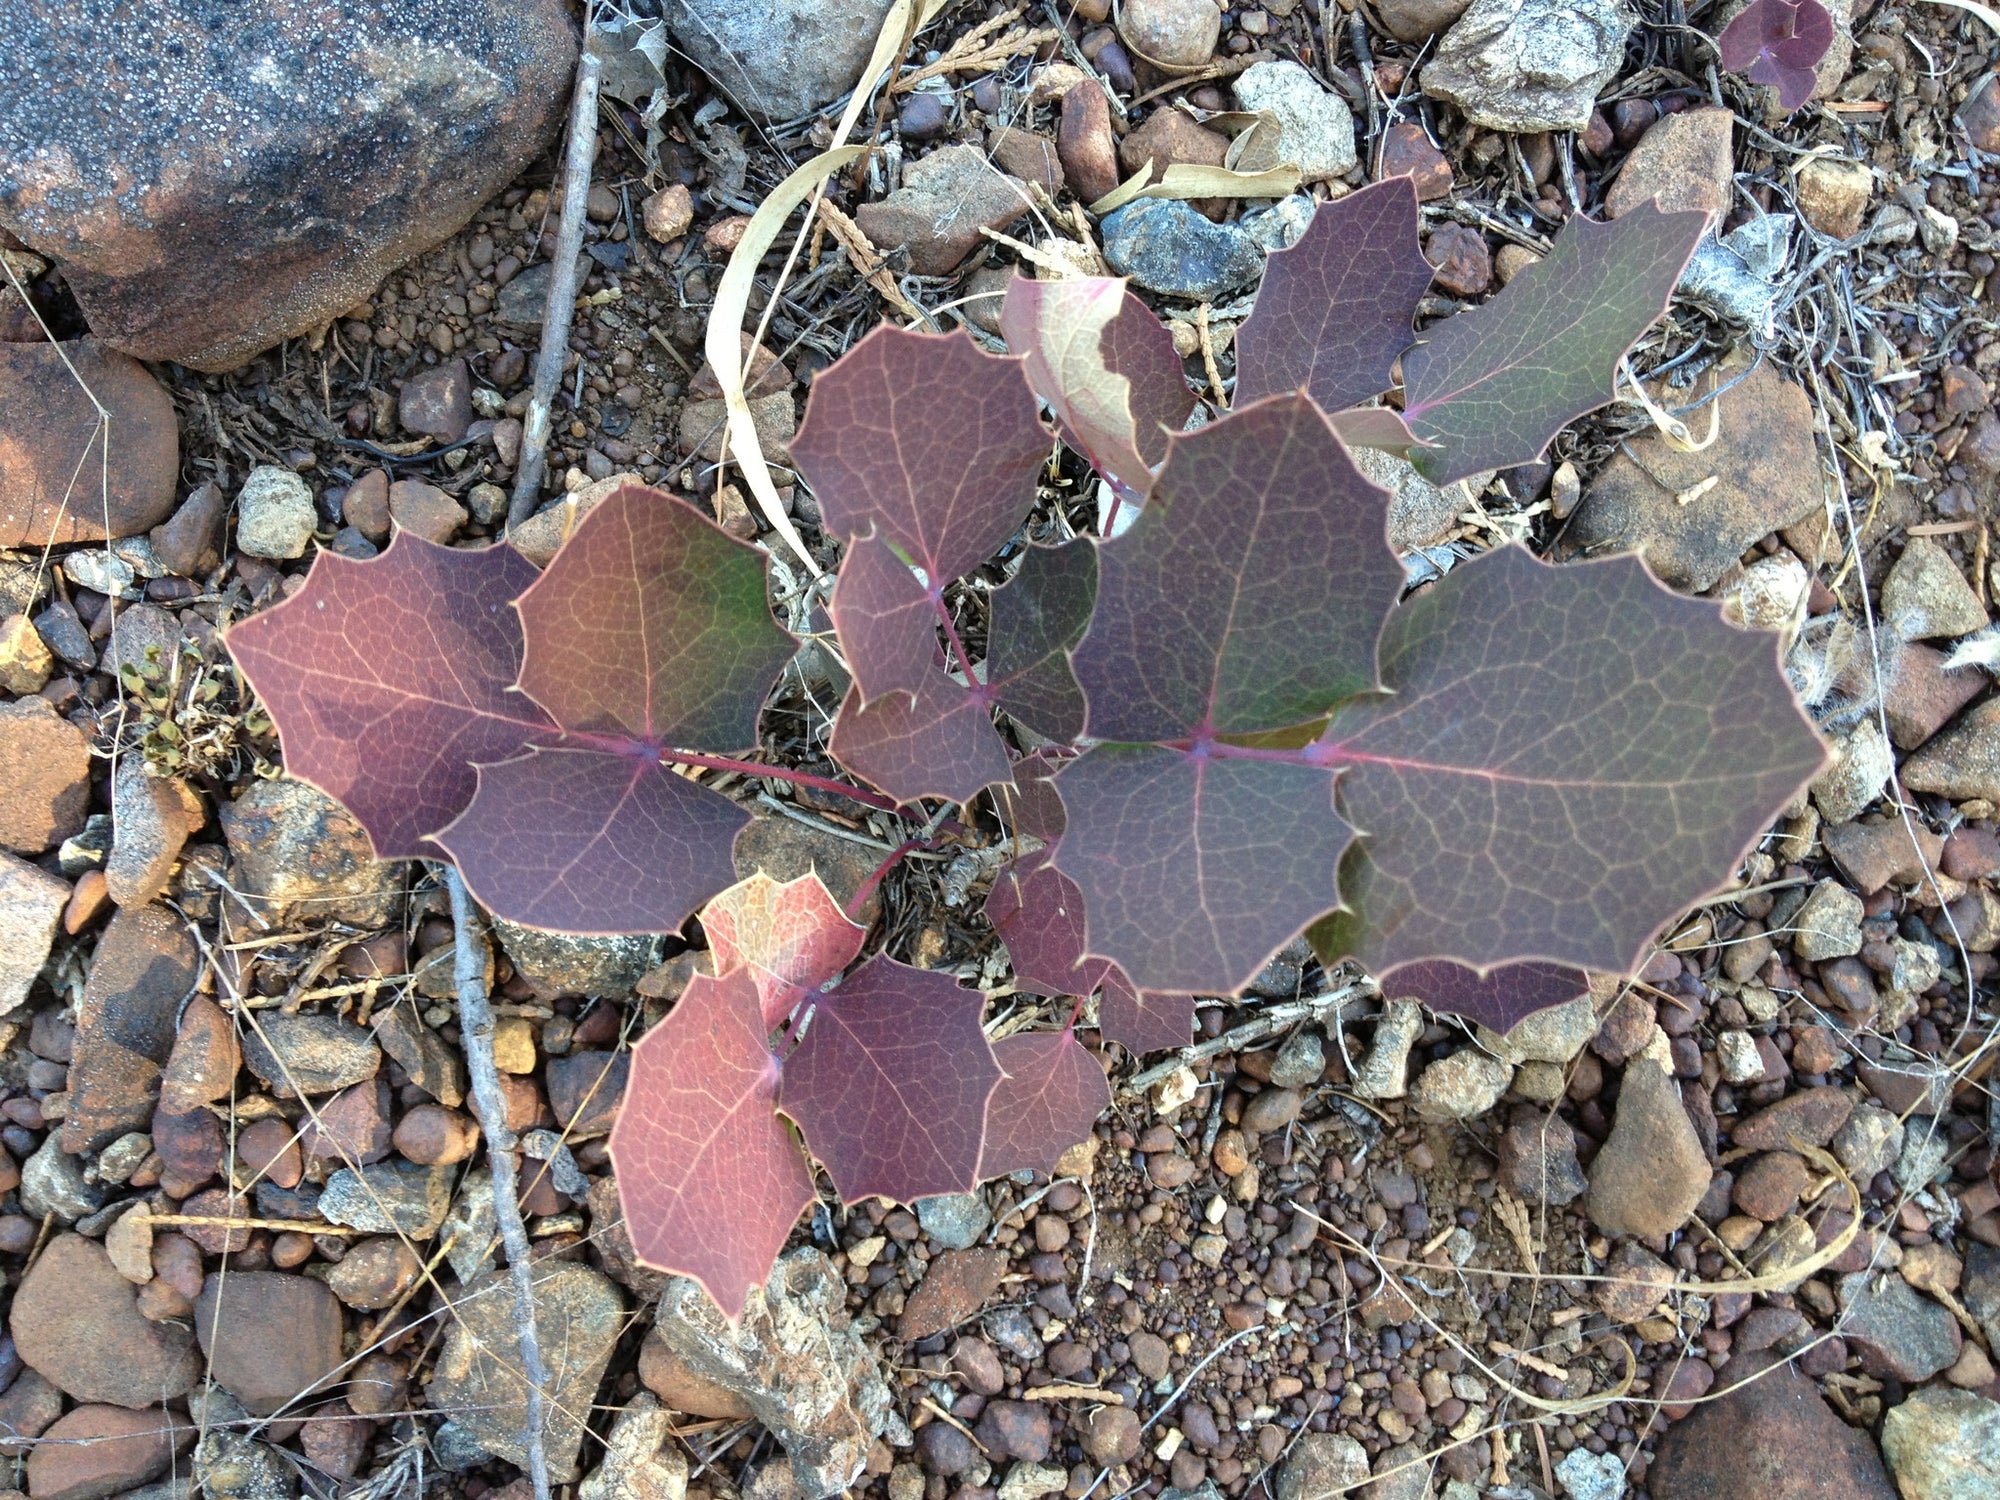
x: 1241, y: 729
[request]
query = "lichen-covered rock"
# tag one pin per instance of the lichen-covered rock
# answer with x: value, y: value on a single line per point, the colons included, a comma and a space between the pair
x: 300, y: 852
x: 258, y: 169
x: 1528, y: 65
x: 795, y: 1361
x: 778, y: 58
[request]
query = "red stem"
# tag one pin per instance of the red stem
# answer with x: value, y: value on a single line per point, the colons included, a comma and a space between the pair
x: 875, y: 878
x: 957, y: 646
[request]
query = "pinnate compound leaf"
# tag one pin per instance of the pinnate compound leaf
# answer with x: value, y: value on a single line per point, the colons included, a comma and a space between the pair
x: 1143, y: 1021
x: 886, y: 621
x: 1491, y: 387
x: 1050, y: 1093
x: 1497, y: 999
x: 1778, y: 42
x: 592, y: 842
x: 926, y: 442
x: 1037, y: 620
x: 1248, y: 594
x: 1105, y: 365
x: 710, y: 1177
x: 388, y: 678
x: 890, y: 1083
x: 1195, y: 869
x: 653, y: 623
x: 1038, y: 913
x: 1566, y: 758
x: 936, y: 742
x: 792, y: 937
x: 1337, y: 308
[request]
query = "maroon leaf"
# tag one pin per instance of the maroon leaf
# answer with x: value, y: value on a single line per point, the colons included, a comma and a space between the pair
x: 886, y: 621
x: 1568, y: 758
x: 709, y: 1176
x: 1037, y: 620
x: 1029, y: 804
x: 1778, y: 42
x: 1498, y: 998
x: 653, y: 623
x: 926, y: 442
x: 1248, y: 594
x: 388, y: 678
x: 1038, y: 913
x: 1143, y: 1021
x: 1195, y: 869
x: 1337, y: 308
x: 936, y: 742
x: 1490, y: 387
x: 890, y: 1083
x: 1050, y: 1093
x: 1107, y: 368
x: 586, y: 841
x: 792, y: 938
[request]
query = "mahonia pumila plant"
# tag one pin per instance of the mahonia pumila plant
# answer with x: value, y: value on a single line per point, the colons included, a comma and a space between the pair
x: 1778, y: 42
x: 1237, y: 727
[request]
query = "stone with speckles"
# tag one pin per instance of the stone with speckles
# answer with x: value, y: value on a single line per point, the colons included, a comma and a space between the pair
x: 216, y: 177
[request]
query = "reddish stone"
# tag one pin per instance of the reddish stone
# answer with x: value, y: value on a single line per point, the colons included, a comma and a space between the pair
x: 353, y: 1126
x: 49, y: 427
x: 270, y: 1149
x: 956, y: 1286
x: 1922, y: 696
x: 1462, y: 260
x: 1971, y: 853
x: 1407, y: 152
x: 1083, y: 140
x: 99, y: 1451
x: 1812, y: 1115
x: 1963, y: 390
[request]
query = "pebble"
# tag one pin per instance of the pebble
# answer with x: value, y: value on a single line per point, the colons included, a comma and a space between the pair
x: 1015, y: 1429
x: 953, y: 1289
x: 1810, y: 1115
x: 578, y: 1315
x: 667, y: 214
x: 1168, y: 247
x: 1592, y: 1476
x: 674, y: 1381
x: 1170, y: 137
x: 1651, y: 1171
x: 1538, y: 1161
x: 269, y: 1337
x: 1769, y: 1186
x: 1640, y: 1281
x: 1879, y: 852
x: 146, y: 964
x: 374, y: 1273
x: 1769, y: 1436
x: 75, y: 1321
x: 586, y: 1089
x: 945, y: 199
x: 274, y: 514
x: 297, y: 851
x: 1383, y: 1073
x: 310, y: 1054
x: 437, y: 401
x: 1407, y: 151
x: 1271, y: 1109
x: 98, y: 1451
x: 556, y: 964
x: 1896, y: 1331
x: 188, y: 543
x: 943, y: 1449
x: 1833, y: 195
x: 25, y: 662
x: 1111, y: 1435
x: 233, y: 1466
x: 44, y: 776
x: 432, y: 1064
x: 1926, y: 596
x: 1177, y: 33
x: 388, y: 1197
x: 1944, y: 1445
x: 1322, y: 1464
x: 425, y: 510
x: 1964, y: 761
x: 954, y: 1221
x: 1828, y: 924
x: 1684, y: 162
x: 1460, y: 1087
x: 1869, y: 1142
x: 152, y: 817
x: 202, y: 1066
x: 1316, y: 128
x: 31, y: 908
x: 641, y: 1460
x: 27, y: 1407
x: 1417, y: 21
x: 1032, y: 158
x: 433, y: 1135
x: 1301, y: 1061
x: 51, y: 422
x: 1030, y: 1481
x: 352, y: 1126
x: 1461, y: 259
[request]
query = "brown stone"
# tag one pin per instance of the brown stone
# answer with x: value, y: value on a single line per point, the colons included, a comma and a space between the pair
x: 26, y: 1409
x: 432, y: 1135
x: 585, y: 1090
x: 1684, y: 162
x: 52, y: 486
x: 98, y: 1451
x: 1768, y: 1437
x: 269, y: 1337
x: 680, y: 1388
x: 1651, y: 1171
x: 438, y: 401
x: 425, y: 510
x: 668, y: 214
x: 352, y: 1127
x: 1023, y: 154
x: 366, y: 506
x: 44, y: 775
x: 190, y: 1148
x: 953, y: 1289
x: 1407, y: 151
x: 1980, y: 115
x: 1463, y: 263
x: 174, y: 201
x: 1084, y: 142
x: 1810, y: 1116
x: 1873, y: 853
x: 204, y: 1061
x: 945, y: 200
x: 269, y: 1148
x: 1768, y: 1187
x: 146, y: 964
x: 152, y: 817
x: 374, y: 1273
x: 75, y: 1320
x: 1169, y: 138
x: 336, y: 1440
x: 1921, y: 696
x: 189, y: 542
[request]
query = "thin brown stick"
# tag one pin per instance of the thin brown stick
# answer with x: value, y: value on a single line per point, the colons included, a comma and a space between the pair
x: 556, y: 312
x: 475, y: 1016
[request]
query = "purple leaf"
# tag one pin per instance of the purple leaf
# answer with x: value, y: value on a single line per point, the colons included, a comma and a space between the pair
x: 1107, y: 368
x: 1029, y: 805
x: 1248, y: 594
x: 652, y: 623
x: 1567, y: 758
x: 1143, y: 1021
x: 792, y: 938
x: 1050, y: 1093
x: 1490, y: 387
x: 928, y: 443
x: 1778, y: 42
x: 1196, y: 869
x: 1037, y: 620
x: 886, y: 621
x: 890, y: 1083
x: 936, y: 742
x: 1038, y: 913
x: 1374, y: 427
x: 710, y: 1178
x: 1336, y: 309
x: 1498, y: 998
x: 586, y: 841
x: 388, y: 678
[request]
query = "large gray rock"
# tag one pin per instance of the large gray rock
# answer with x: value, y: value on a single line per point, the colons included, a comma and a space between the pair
x: 174, y: 198
x: 795, y: 1361
x: 778, y: 58
x: 479, y: 1383
x: 1528, y: 65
